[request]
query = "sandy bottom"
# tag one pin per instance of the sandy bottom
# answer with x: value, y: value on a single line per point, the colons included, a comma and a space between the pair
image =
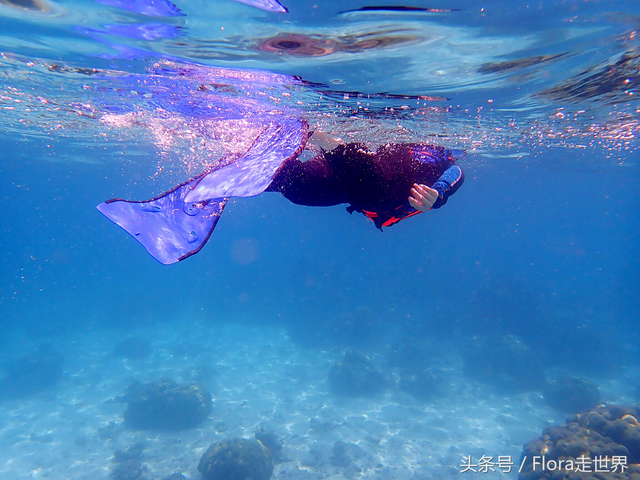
x: 259, y: 377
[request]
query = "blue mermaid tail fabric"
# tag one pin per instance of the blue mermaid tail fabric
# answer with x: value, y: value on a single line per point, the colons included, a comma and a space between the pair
x: 169, y: 228
x: 164, y: 8
x: 177, y: 224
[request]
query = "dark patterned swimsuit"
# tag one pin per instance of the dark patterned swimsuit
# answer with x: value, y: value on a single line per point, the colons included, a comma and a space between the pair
x: 376, y: 184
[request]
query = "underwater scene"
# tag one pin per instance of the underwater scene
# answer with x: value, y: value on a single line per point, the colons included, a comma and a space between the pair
x: 288, y: 239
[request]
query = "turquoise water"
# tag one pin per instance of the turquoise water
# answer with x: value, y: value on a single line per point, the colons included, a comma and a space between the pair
x: 538, y: 250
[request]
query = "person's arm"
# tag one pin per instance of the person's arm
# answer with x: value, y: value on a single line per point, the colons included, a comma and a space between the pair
x: 425, y: 198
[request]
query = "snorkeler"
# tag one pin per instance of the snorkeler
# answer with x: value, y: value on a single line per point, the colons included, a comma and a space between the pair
x: 393, y: 183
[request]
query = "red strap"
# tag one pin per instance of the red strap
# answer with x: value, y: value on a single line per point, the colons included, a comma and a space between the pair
x: 391, y: 221
x: 394, y: 220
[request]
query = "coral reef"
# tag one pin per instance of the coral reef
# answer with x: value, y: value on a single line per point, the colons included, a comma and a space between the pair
x: 236, y: 459
x: 571, y: 394
x: 603, y: 432
x: 356, y: 376
x: 166, y: 405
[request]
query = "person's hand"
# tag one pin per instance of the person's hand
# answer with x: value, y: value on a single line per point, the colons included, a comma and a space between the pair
x: 422, y: 197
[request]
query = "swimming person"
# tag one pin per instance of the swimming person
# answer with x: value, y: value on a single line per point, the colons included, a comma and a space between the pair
x: 395, y: 182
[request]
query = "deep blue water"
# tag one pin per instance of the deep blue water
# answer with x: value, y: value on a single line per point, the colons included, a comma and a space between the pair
x: 540, y: 244
x: 532, y: 251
